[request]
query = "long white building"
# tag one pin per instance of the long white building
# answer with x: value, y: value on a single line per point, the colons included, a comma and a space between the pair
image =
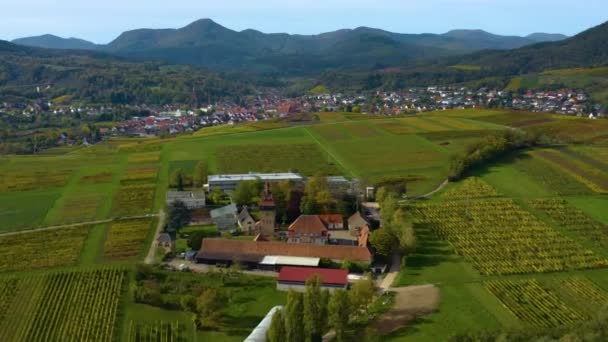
x: 230, y: 182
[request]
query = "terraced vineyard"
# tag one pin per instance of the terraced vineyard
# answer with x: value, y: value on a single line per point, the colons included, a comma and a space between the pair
x: 572, y: 219
x: 533, y: 304
x: 499, y: 237
x: 69, y: 306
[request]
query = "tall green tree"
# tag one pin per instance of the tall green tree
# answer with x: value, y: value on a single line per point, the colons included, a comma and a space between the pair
x: 179, y: 216
x: 199, y: 178
x: 383, y: 242
x: 247, y: 192
x: 361, y: 294
x: 177, y: 179
x: 294, y: 317
x: 339, y: 312
x: 209, y: 307
x: 277, y: 332
x: 313, y: 309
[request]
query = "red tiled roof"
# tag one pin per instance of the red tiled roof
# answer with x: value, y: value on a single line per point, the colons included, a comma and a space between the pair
x: 308, y: 224
x: 227, y: 250
x: 332, y: 218
x: 302, y: 274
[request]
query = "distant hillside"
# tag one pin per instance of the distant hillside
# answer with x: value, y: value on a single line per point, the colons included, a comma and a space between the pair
x: 587, y: 49
x: 95, y: 77
x: 546, y: 37
x: 50, y: 41
x: 206, y: 43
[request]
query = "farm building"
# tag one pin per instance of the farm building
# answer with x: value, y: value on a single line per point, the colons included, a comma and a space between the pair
x: 276, y: 262
x: 165, y: 241
x: 252, y: 253
x: 245, y: 221
x: 333, y: 221
x: 307, y: 229
x: 339, y: 185
x: 356, y: 222
x: 294, y: 278
x: 225, y: 217
x: 230, y: 182
x: 192, y: 199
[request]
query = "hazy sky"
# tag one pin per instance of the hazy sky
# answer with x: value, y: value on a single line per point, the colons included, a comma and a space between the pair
x: 101, y: 21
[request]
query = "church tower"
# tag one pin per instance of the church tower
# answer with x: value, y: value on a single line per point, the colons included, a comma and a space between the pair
x: 268, y: 213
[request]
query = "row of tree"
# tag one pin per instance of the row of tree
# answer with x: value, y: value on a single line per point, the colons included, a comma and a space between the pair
x: 490, y: 148
x: 397, y: 231
x: 308, y: 316
x: 180, y: 179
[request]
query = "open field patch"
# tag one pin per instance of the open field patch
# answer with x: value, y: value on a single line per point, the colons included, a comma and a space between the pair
x: 499, y: 237
x: 24, y: 180
x: 396, y: 127
x: 455, y: 123
x: 79, y: 207
x: 331, y: 132
x: 305, y: 158
x: 101, y: 177
x: 361, y: 130
x: 25, y: 209
x: 424, y: 125
x: 595, y: 179
x: 146, y: 157
x: 42, y: 249
x: 134, y: 200
x: 140, y: 174
x: 126, y: 239
x: 76, y: 306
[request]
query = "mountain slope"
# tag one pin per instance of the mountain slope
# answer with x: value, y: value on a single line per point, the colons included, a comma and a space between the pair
x: 587, y: 49
x: 546, y: 37
x: 50, y: 41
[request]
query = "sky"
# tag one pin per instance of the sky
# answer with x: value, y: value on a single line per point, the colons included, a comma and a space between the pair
x: 102, y: 21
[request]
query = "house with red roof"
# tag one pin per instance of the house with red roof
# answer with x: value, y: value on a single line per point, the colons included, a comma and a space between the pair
x: 308, y: 229
x: 294, y: 278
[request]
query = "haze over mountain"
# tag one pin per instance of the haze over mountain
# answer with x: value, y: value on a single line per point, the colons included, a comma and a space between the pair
x: 206, y: 43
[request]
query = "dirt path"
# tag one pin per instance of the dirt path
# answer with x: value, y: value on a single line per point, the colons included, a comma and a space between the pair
x: 410, y: 303
x: 78, y: 224
x: 159, y: 227
x: 439, y: 188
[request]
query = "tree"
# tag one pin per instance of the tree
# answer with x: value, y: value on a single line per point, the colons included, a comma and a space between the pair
x: 216, y: 196
x: 407, y: 239
x: 276, y: 332
x: 179, y: 216
x: 200, y: 174
x: 313, y: 309
x: 209, y: 307
x: 361, y: 294
x: 294, y: 317
x: 318, y: 198
x: 281, y: 192
x: 177, y: 179
x: 382, y: 241
x: 247, y: 192
x: 339, y: 310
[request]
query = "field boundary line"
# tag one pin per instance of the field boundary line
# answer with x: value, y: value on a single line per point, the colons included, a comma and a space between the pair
x: 329, y: 152
x: 77, y: 224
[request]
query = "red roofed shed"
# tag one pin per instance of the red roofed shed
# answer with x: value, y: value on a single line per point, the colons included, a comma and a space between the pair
x: 295, y: 278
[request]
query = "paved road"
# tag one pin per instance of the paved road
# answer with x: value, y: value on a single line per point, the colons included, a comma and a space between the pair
x: 78, y: 224
x: 390, y: 277
x: 202, y: 268
x: 439, y: 188
x: 159, y: 227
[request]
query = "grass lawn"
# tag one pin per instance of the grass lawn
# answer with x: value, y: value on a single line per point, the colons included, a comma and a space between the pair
x: 25, y: 209
x: 594, y: 206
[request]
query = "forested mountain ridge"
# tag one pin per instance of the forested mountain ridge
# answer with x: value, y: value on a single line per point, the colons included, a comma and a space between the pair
x: 208, y: 44
x: 50, y: 41
x: 95, y: 77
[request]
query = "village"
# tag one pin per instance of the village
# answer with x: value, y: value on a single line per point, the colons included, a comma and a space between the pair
x: 151, y: 120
